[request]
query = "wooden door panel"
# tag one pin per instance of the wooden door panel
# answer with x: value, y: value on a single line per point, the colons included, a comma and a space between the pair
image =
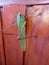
x: 13, y: 50
x: 37, y: 51
x: 2, y: 58
x: 14, y: 54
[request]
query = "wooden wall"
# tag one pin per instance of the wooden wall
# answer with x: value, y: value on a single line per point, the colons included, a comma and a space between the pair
x: 37, y: 49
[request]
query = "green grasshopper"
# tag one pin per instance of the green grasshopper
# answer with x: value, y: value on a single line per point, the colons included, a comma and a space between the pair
x: 21, y: 28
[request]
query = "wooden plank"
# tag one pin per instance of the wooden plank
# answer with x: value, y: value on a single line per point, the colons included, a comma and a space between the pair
x: 14, y: 54
x: 37, y: 52
x: 13, y: 51
x: 2, y: 58
x: 26, y: 2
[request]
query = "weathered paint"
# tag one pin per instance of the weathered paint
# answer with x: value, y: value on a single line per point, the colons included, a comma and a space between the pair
x: 37, y: 52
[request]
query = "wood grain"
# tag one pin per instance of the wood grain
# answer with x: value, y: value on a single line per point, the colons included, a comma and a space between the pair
x: 2, y: 57
x: 37, y: 51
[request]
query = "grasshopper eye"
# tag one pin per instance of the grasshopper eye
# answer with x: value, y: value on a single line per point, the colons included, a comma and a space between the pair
x: 20, y: 15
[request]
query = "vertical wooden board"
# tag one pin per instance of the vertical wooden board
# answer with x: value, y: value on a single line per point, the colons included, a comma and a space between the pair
x: 2, y: 58
x: 14, y: 54
x: 13, y: 50
x: 37, y: 52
